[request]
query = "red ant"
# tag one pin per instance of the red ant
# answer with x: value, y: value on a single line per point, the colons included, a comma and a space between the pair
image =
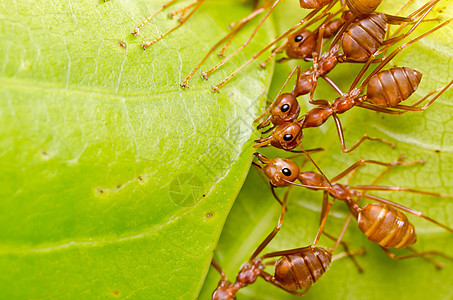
x: 296, y: 269
x: 186, y: 12
x: 285, y: 107
x: 387, y: 18
x: 402, y: 82
x: 359, y: 39
x: 383, y: 222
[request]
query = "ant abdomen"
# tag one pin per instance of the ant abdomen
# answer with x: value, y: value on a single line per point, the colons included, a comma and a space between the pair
x: 312, y: 4
x: 389, y: 87
x: 301, y: 270
x: 386, y: 226
x: 364, y: 37
x: 361, y: 8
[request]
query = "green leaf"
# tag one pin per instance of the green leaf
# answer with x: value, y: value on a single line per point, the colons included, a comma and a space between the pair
x: 426, y: 135
x: 114, y: 182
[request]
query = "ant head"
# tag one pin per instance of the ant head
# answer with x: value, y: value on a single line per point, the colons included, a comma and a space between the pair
x: 280, y: 171
x: 301, y: 44
x: 286, y: 109
x: 287, y: 136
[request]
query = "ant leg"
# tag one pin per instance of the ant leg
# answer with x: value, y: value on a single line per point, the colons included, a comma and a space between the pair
x: 137, y: 30
x: 296, y: 69
x: 364, y: 137
x: 197, y: 6
x: 282, y: 36
x: 362, y: 162
x: 266, y: 123
x: 227, y: 44
x: 183, y: 11
x: 256, y: 11
x: 343, y: 230
x: 388, y: 58
x: 275, y: 231
x: 424, y: 255
x: 275, y: 195
x: 270, y: 263
x: 316, y: 56
x: 303, y: 21
x: 397, y: 189
x: 325, y: 202
x: 404, y: 108
x: 271, y: 279
x: 398, y: 38
x: 332, y: 84
x: 324, y: 214
x: 219, y: 269
x: 206, y: 74
x: 399, y: 49
x: 274, y: 52
x: 438, y: 91
x: 380, y: 109
x: 350, y: 254
x: 408, y: 210
x: 263, y: 142
x: 406, y: 4
x: 287, y: 252
x: 314, y: 150
x: 315, y: 164
x: 266, y: 181
x: 392, y: 19
x: 232, y: 33
x: 324, y: 103
x: 347, y: 252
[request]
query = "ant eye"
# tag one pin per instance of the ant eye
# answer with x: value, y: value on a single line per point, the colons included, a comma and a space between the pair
x: 299, y: 38
x: 288, y: 137
x: 286, y: 172
x: 285, y: 107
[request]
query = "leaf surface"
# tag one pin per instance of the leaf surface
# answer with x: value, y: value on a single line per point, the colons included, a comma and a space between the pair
x: 114, y: 182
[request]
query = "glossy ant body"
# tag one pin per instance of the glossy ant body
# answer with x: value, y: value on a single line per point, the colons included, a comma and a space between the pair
x: 385, y: 90
x: 383, y: 222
